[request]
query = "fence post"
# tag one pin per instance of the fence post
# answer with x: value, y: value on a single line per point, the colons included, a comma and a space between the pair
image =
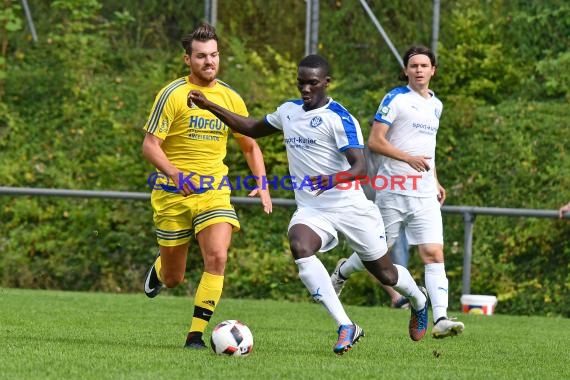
x: 469, y: 221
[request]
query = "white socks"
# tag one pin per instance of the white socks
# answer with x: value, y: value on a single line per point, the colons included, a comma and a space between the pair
x: 407, y: 287
x: 317, y: 280
x: 437, y: 287
x: 351, y: 265
x: 435, y: 279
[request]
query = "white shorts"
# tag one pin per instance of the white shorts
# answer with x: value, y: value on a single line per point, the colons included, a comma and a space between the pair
x: 420, y: 218
x: 360, y: 223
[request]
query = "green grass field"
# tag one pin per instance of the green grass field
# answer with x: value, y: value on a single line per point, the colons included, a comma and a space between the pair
x: 70, y: 335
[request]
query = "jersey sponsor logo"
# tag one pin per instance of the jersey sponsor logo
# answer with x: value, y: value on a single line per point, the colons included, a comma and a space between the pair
x: 316, y: 121
x: 202, y: 123
x: 199, y: 136
x: 426, y: 128
x: 207, y: 129
x: 299, y: 140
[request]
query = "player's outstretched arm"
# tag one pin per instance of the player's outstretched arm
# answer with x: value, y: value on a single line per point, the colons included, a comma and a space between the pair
x: 244, y: 125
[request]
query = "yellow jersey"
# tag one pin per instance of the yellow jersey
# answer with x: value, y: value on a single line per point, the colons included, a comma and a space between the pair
x: 194, y: 140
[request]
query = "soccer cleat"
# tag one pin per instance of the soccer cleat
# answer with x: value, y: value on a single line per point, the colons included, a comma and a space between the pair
x: 194, y: 341
x: 152, y: 284
x: 418, y: 320
x: 348, y: 336
x: 445, y: 327
x: 337, y: 279
x: 401, y: 303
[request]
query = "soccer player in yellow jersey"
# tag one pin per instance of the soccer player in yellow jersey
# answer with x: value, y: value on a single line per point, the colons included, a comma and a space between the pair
x: 188, y: 145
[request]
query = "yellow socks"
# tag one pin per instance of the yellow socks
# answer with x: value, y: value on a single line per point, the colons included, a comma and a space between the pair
x: 207, y: 297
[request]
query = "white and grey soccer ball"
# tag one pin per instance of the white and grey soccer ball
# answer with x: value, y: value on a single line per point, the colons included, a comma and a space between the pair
x: 232, y: 338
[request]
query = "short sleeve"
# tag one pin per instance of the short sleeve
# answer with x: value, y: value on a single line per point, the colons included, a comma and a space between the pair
x: 161, y: 115
x: 274, y: 119
x: 387, y: 110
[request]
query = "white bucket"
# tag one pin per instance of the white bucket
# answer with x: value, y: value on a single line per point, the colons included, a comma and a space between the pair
x: 478, y: 304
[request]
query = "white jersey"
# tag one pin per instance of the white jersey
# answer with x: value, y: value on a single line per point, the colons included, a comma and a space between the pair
x: 413, y: 121
x: 315, y: 141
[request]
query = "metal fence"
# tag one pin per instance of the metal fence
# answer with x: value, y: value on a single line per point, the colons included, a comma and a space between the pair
x: 469, y: 213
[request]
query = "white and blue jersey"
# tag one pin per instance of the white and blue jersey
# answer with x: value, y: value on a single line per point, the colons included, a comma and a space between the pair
x: 413, y: 122
x: 316, y: 141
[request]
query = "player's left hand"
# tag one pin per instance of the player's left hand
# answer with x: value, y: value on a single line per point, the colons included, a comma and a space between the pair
x: 322, y: 183
x: 265, y: 198
x: 564, y: 209
x: 441, y: 194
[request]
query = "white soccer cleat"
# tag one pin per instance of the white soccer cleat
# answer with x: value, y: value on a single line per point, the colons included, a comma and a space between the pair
x: 336, y: 278
x: 445, y: 327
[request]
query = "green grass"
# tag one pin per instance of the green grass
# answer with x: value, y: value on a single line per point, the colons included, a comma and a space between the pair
x: 70, y: 335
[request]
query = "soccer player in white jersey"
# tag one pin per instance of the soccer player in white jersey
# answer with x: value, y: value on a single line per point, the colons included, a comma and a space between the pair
x: 404, y: 133
x: 325, y: 153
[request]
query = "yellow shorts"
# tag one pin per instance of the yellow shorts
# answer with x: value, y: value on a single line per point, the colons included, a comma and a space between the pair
x: 177, y: 218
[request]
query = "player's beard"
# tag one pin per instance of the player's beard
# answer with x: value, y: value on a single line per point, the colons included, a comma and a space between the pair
x: 204, y: 78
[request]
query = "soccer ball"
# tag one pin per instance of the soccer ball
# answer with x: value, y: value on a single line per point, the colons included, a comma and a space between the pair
x: 232, y: 338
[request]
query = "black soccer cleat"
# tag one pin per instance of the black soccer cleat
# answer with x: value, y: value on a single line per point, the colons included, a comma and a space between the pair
x: 194, y: 341
x: 152, y: 284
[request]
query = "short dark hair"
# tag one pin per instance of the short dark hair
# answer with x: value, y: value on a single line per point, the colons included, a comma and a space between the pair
x: 415, y: 50
x: 203, y: 32
x: 315, y: 61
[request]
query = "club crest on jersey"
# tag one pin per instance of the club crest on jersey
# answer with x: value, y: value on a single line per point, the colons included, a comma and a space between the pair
x: 437, y: 113
x: 316, y: 121
x: 164, y: 126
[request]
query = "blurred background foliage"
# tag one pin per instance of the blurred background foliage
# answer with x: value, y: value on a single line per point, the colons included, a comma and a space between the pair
x: 72, y: 107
